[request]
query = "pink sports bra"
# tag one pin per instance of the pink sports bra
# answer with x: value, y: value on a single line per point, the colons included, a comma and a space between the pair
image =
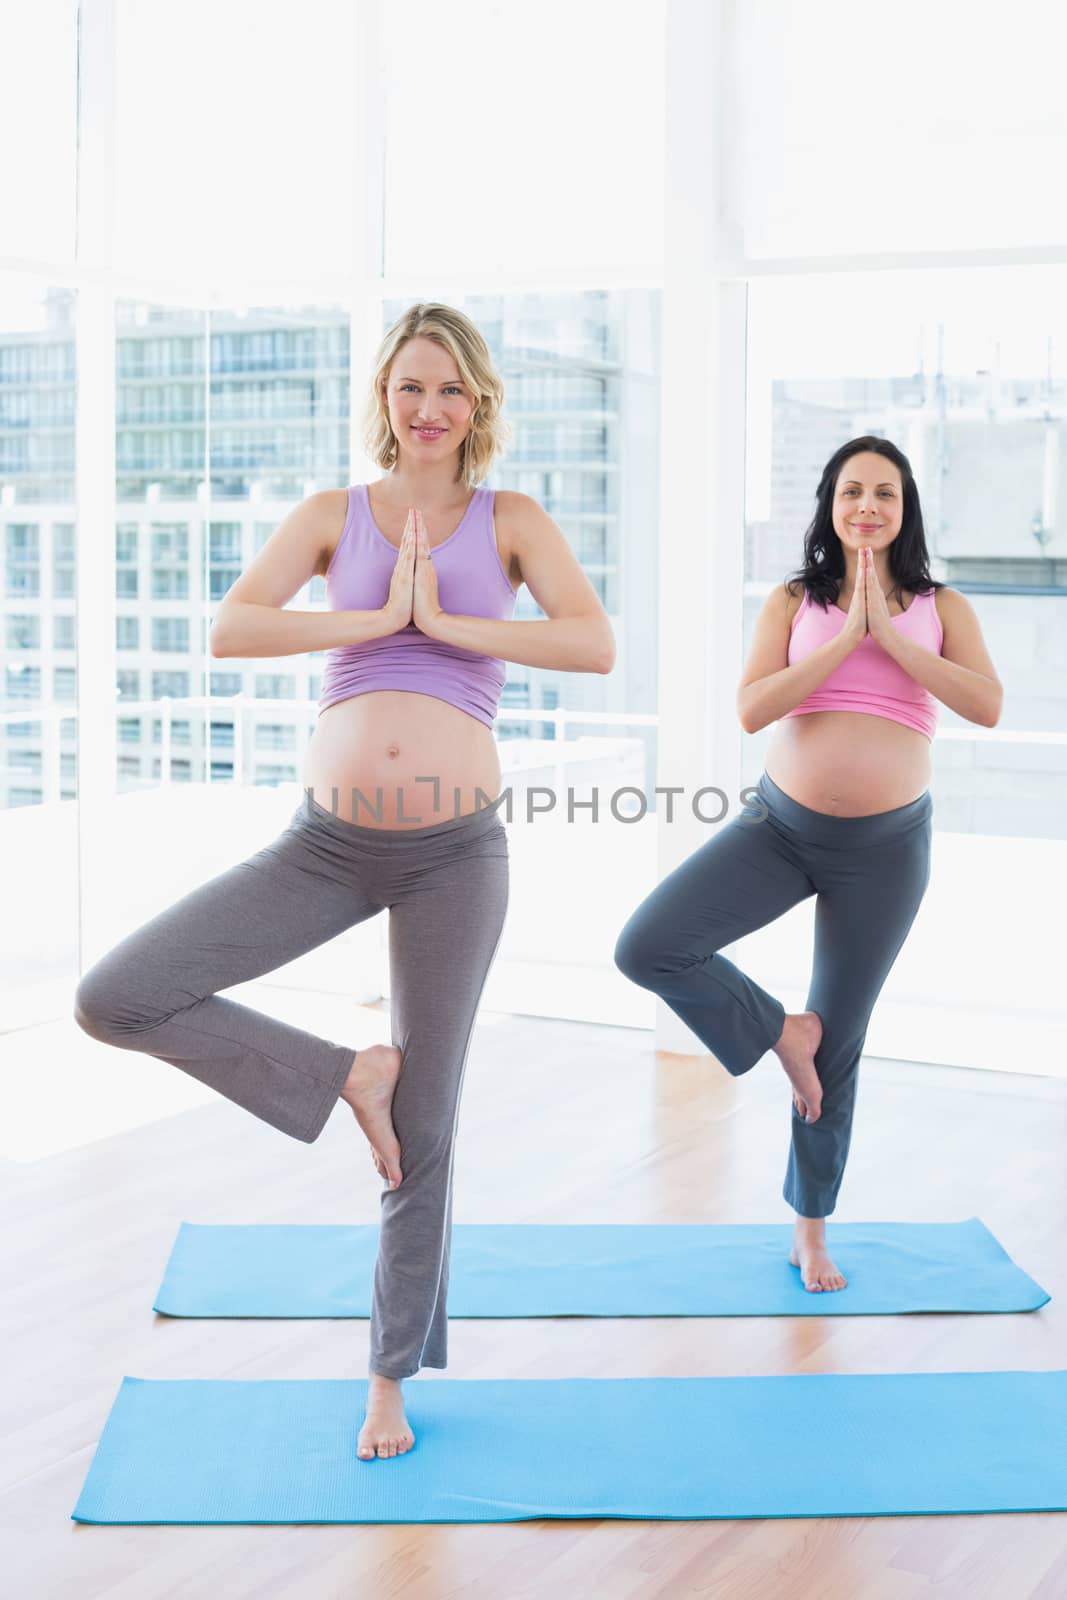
x: 869, y: 680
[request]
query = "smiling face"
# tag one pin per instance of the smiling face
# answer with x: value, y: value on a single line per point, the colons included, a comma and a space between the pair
x: 425, y: 391
x: 868, y: 502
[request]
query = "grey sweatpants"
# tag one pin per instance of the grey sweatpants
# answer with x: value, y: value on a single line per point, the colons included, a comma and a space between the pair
x: 869, y: 875
x: 446, y: 888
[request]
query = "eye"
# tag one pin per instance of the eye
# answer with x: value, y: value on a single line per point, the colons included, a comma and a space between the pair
x: 453, y: 386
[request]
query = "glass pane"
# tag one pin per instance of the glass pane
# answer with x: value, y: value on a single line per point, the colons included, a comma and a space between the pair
x: 279, y: 432
x: 927, y: 130
x: 38, y: 105
x: 964, y: 372
x: 38, y: 720
x: 232, y: 163
x: 551, y: 156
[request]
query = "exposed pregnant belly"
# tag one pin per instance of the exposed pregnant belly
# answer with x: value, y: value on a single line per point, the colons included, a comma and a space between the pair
x: 380, y: 745
x: 847, y: 763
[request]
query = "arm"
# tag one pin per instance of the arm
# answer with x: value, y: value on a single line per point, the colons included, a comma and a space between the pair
x: 769, y: 686
x: 262, y: 630
x: 575, y: 636
x: 250, y: 620
x: 962, y: 677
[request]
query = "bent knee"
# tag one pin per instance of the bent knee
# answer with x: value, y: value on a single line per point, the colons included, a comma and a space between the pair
x: 95, y: 1007
x: 637, y: 959
x: 108, y: 1009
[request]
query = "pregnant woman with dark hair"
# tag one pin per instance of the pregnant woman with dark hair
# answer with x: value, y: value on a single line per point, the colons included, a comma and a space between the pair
x: 849, y: 659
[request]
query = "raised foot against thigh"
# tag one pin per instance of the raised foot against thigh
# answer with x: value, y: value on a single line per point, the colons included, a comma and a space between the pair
x: 386, y: 1431
x: 369, y: 1090
x: 796, y: 1050
x: 817, y: 1270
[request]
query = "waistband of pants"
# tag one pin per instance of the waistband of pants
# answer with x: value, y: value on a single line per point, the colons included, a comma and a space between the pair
x: 468, y: 826
x: 822, y: 828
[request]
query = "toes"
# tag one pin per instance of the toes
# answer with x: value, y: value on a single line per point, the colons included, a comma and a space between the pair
x: 391, y: 1174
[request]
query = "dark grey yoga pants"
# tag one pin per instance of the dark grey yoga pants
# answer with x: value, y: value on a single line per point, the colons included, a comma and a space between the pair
x: 446, y: 888
x: 869, y: 875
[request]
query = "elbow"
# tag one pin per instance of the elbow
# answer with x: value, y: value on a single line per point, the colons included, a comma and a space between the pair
x: 217, y: 642
x: 744, y: 716
x: 602, y: 658
x: 997, y: 707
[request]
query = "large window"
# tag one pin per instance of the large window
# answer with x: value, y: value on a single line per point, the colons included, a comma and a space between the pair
x: 279, y: 194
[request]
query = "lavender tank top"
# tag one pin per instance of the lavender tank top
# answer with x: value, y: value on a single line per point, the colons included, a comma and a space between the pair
x: 869, y: 679
x: 471, y: 582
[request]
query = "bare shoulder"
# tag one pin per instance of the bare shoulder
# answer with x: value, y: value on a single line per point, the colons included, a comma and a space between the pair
x: 334, y: 510
x: 522, y: 508
x: 956, y: 613
x: 954, y: 610
x: 516, y: 513
x: 769, y: 647
x: 961, y: 638
x: 950, y: 603
x: 519, y: 520
x: 780, y: 605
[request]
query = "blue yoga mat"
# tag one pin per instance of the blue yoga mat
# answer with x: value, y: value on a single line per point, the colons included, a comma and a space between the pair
x: 901, y: 1444
x: 609, y: 1270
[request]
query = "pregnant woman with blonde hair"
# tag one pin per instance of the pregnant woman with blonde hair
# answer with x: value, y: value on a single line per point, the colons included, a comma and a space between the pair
x: 422, y: 567
x: 849, y: 661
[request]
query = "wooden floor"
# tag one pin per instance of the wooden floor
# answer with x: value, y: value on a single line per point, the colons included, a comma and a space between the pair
x: 561, y: 1122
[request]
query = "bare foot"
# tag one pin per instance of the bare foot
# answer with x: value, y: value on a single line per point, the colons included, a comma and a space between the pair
x: 809, y: 1253
x: 801, y: 1038
x: 386, y: 1431
x: 369, y: 1091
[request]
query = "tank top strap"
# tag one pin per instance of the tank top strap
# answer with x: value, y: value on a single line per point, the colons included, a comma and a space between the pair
x: 800, y: 610
x: 483, y: 515
x: 360, y: 516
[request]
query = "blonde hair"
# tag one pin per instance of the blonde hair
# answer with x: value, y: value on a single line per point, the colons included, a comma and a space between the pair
x: 456, y: 333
